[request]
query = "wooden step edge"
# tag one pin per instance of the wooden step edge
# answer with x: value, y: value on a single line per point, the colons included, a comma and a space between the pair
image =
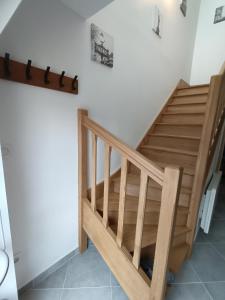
x: 171, y: 150
x: 185, y: 137
x: 183, y: 113
x: 191, y: 95
x: 177, y: 124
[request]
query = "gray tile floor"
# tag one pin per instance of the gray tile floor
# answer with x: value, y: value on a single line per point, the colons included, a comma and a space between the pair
x: 87, y: 277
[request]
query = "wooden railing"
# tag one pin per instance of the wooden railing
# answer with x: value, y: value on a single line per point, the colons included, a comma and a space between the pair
x: 214, y: 119
x: 126, y: 268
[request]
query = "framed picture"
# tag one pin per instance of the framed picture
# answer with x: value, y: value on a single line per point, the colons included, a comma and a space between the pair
x: 102, y: 47
x: 220, y: 14
x: 183, y: 7
x: 157, y: 21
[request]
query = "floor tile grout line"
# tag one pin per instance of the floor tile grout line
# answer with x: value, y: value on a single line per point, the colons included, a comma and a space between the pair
x: 64, y: 282
x: 221, y: 255
x: 207, y: 291
x: 110, y: 281
x: 202, y: 284
x: 103, y: 287
x: 78, y: 288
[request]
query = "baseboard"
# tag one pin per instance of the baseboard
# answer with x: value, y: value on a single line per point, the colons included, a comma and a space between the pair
x: 36, y: 281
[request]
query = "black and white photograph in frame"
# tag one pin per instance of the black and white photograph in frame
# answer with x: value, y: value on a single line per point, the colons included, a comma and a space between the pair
x: 102, y: 47
x: 183, y: 7
x: 157, y: 21
x: 219, y: 15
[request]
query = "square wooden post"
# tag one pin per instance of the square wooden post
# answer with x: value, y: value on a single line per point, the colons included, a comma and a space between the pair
x: 170, y: 196
x: 82, y: 177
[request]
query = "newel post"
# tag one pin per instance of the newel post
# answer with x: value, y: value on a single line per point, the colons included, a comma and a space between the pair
x: 169, y: 201
x: 82, y: 175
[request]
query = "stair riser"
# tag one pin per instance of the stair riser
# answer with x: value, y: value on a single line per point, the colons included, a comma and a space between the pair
x: 175, y: 143
x: 152, y: 193
x: 194, y: 108
x: 179, y: 240
x: 192, y: 131
x: 187, y: 180
x: 186, y: 161
x: 190, y: 99
x: 150, y: 218
x: 183, y: 119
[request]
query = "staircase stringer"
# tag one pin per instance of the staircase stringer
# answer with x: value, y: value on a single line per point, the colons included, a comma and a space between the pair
x: 213, y: 118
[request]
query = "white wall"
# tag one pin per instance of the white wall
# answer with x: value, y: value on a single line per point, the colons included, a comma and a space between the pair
x: 7, y: 9
x: 39, y: 125
x: 209, y: 53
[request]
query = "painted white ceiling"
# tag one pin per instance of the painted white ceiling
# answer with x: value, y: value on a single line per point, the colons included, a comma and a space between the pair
x: 86, y: 8
x: 7, y: 9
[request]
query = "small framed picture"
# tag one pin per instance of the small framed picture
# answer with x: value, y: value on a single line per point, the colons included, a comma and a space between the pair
x: 183, y: 7
x: 156, y: 27
x: 219, y: 15
x: 102, y: 46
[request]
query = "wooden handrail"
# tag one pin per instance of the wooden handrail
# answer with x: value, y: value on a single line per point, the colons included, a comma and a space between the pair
x: 152, y: 170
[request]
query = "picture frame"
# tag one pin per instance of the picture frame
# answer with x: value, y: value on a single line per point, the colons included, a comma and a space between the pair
x: 157, y: 19
x: 102, y: 47
x: 219, y: 14
x: 183, y: 7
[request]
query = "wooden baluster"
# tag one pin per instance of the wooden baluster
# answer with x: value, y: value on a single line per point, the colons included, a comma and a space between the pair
x: 170, y: 196
x: 107, y: 157
x: 82, y: 178
x: 94, y: 171
x: 140, y: 219
x: 123, y: 183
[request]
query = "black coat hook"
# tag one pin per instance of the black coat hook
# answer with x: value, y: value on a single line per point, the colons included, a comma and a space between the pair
x: 7, y: 72
x: 74, y: 83
x: 28, y: 74
x: 61, y: 79
x: 46, y: 75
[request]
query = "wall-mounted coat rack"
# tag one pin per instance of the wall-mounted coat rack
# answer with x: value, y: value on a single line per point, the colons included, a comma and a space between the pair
x: 26, y: 73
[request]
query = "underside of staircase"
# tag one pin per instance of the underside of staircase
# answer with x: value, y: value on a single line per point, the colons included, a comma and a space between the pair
x: 149, y: 207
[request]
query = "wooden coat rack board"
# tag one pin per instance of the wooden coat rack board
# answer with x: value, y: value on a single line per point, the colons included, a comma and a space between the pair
x: 27, y: 74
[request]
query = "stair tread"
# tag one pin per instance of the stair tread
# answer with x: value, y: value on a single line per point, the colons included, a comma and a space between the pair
x: 135, y: 180
x: 194, y: 86
x: 173, y: 150
x: 188, y: 171
x: 175, y: 136
x: 177, y: 124
x: 187, y: 104
x: 149, y: 234
x: 183, y: 113
x: 191, y: 95
x: 193, y: 90
x: 132, y: 204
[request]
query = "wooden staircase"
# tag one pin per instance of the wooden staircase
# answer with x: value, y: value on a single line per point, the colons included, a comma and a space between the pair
x: 149, y: 206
